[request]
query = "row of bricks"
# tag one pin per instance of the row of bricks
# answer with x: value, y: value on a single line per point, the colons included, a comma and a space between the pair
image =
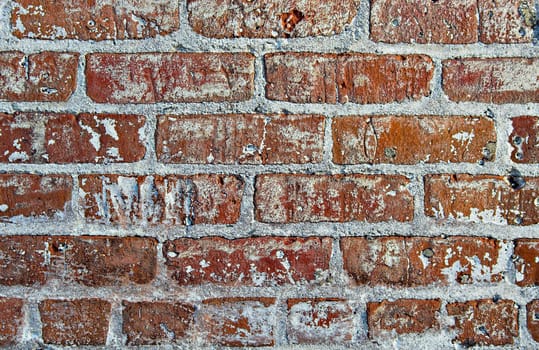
x: 294, y: 77
x: 260, y: 139
x: 98, y: 261
x: 424, y: 21
x: 251, y: 321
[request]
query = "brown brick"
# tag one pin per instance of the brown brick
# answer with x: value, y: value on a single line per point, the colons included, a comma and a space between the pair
x: 243, y: 139
x: 28, y: 195
x: 271, y: 18
x: 532, y: 318
x: 524, y: 140
x: 491, y: 80
x: 156, y: 322
x: 238, y: 321
x: 420, y: 261
x: 75, y: 322
x: 402, y: 316
x: 11, y: 319
x: 320, y: 321
x: 262, y: 261
x: 507, y: 21
x: 88, y: 260
x: 411, y: 140
x: 94, y: 20
x: 287, y: 198
x: 40, y: 77
x: 356, y: 78
x: 154, y: 199
x: 424, y: 21
x: 482, y: 198
x: 485, y: 322
x: 526, y: 262
x: 169, y: 77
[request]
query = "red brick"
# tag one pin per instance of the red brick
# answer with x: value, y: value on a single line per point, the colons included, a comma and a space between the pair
x: 356, y: 78
x: 286, y: 198
x: 40, y: 77
x: 532, y: 318
x: 424, y: 21
x: 524, y: 140
x: 75, y: 322
x: 421, y: 261
x: 17, y: 139
x: 94, y: 20
x: 88, y: 260
x: 411, y: 140
x: 482, y: 199
x: 11, y: 319
x: 491, y: 80
x: 507, y: 21
x: 526, y: 262
x: 238, y: 321
x: 154, y: 199
x: 402, y: 316
x: 29, y: 195
x: 485, y: 322
x: 240, y: 139
x: 169, y: 77
x: 263, y: 261
x: 271, y: 18
x: 156, y: 322
x: 320, y: 321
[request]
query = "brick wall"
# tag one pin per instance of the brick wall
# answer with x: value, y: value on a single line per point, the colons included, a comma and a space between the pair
x: 269, y: 173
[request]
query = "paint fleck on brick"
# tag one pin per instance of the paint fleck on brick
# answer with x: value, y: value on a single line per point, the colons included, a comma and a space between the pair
x: 507, y: 21
x: 11, y: 319
x: 524, y: 140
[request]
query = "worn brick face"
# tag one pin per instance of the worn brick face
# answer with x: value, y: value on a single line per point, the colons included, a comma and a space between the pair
x: 482, y: 199
x: 420, y: 261
x: 287, y: 198
x: 491, y: 80
x: 319, y: 321
x: 355, y: 78
x: 94, y: 20
x: 240, y: 139
x: 169, y: 77
x: 507, y: 21
x: 11, y: 319
x: 524, y: 139
x: 411, y: 140
x: 424, y: 21
x: 75, y: 322
x: 532, y: 319
x: 485, y: 322
x: 402, y: 316
x: 526, y: 262
x: 272, y: 18
x: 40, y: 77
x: 264, y: 261
x: 156, y: 322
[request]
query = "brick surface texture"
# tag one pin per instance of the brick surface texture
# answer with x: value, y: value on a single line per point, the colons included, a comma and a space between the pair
x: 284, y: 173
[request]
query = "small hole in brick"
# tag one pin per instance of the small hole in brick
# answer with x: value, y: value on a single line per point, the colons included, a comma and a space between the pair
x: 91, y: 23
x: 515, y: 179
x: 395, y: 22
x: 536, y: 316
x: 536, y: 201
x: 522, y: 32
x: 496, y: 298
x: 428, y: 253
x: 517, y: 140
x: 519, y: 155
x: 518, y: 220
x: 390, y: 152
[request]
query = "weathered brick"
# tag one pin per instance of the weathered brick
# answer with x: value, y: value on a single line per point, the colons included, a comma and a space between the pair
x: 75, y: 322
x: 169, y: 77
x: 272, y: 18
x: 88, y: 260
x: 356, y: 78
x: 424, y: 21
x: 532, y: 318
x: 40, y: 77
x: 11, y: 318
x: 263, y: 261
x: 524, y: 139
x: 28, y: 195
x: 94, y: 20
x: 507, y: 21
x: 492, y: 80
x: 154, y: 199
x: 320, y: 321
x: 420, y: 261
x: 402, y: 316
x: 156, y: 322
x: 17, y: 139
x: 526, y: 262
x: 238, y: 321
x: 482, y: 198
x: 485, y: 322
x: 243, y: 139
x: 287, y: 198
x: 411, y: 140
